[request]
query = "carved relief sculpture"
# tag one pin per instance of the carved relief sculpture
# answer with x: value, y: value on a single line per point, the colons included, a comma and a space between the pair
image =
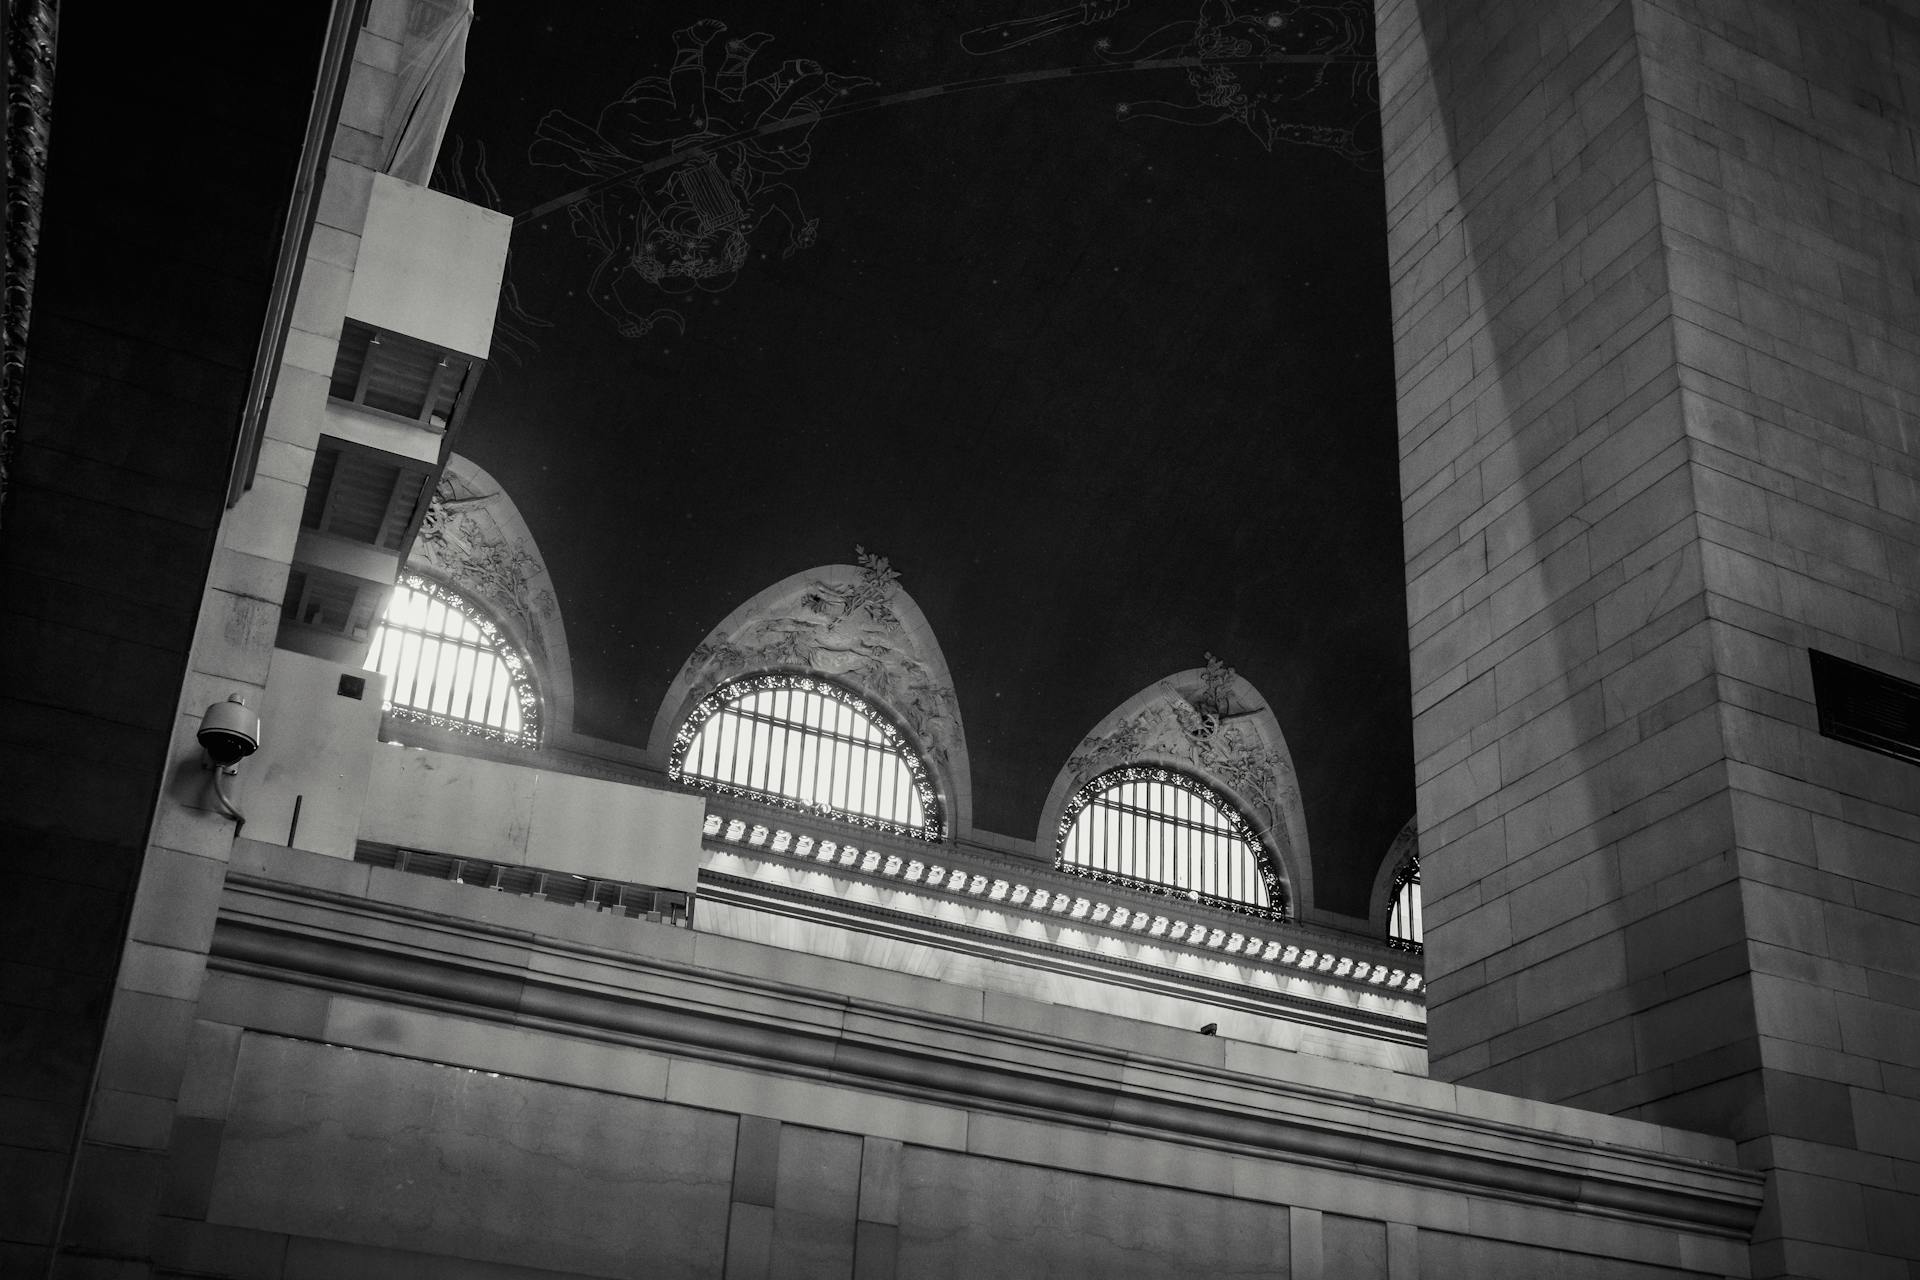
x: 846, y: 625
x: 1200, y: 721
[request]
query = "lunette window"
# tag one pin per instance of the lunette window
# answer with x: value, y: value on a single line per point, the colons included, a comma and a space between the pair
x: 1163, y: 831
x: 449, y: 665
x: 1404, y: 926
x: 802, y: 742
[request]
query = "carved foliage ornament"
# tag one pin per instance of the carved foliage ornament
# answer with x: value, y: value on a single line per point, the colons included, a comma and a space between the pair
x: 1203, y: 730
x: 852, y: 632
x: 461, y: 541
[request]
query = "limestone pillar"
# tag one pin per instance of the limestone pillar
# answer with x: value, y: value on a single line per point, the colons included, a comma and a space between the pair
x: 1657, y: 329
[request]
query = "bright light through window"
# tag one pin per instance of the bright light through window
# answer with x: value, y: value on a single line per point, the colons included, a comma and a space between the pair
x: 1404, y: 924
x: 805, y: 743
x: 448, y: 665
x: 1162, y: 830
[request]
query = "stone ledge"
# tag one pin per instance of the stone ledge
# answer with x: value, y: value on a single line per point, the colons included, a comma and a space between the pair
x: 367, y: 948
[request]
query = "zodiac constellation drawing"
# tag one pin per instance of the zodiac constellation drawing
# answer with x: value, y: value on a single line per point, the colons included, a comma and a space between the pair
x: 686, y: 172
x: 1250, y: 68
x: 462, y: 172
x: 1241, y: 70
x: 699, y: 155
x: 998, y: 37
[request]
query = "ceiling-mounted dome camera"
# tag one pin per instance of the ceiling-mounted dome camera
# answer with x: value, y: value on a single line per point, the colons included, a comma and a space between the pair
x: 229, y: 733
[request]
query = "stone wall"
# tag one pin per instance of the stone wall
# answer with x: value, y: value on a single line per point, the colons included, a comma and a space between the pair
x: 394, y: 1076
x: 155, y: 271
x: 1655, y: 300
x: 230, y: 563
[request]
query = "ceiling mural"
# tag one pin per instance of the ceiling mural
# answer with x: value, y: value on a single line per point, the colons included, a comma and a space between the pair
x: 1079, y: 312
x: 690, y: 170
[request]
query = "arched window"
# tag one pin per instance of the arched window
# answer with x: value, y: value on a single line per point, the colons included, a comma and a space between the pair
x: 447, y: 664
x: 805, y: 743
x: 1403, y: 921
x: 1159, y: 829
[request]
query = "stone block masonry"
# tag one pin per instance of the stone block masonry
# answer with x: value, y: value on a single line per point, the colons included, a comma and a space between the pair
x: 1657, y: 306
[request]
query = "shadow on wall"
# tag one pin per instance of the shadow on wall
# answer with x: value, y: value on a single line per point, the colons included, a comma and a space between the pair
x: 1565, y: 730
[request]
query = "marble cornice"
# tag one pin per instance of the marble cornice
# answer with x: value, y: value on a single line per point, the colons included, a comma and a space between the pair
x: 510, y: 973
x: 1281, y: 940
x: 759, y: 895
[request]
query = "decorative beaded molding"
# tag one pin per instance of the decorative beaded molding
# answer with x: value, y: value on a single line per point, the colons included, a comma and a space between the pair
x: 709, y: 706
x: 1006, y: 892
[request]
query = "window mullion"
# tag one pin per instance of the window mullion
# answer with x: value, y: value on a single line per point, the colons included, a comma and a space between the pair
x: 366, y: 367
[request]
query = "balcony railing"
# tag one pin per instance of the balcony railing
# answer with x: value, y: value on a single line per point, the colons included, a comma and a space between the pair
x: 665, y: 906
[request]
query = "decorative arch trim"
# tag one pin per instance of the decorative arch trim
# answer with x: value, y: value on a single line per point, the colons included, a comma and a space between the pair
x: 857, y: 627
x: 1405, y: 846
x: 1399, y: 869
x: 474, y: 539
x: 400, y: 650
x: 821, y: 763
x: 1209, y: 723
x: 1262, y: 892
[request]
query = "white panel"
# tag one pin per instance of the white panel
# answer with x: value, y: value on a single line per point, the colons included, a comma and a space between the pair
x: 429, y: 266
x: 316, y: 747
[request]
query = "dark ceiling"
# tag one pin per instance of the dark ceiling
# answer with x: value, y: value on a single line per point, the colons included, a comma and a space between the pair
x: 1111, y: 387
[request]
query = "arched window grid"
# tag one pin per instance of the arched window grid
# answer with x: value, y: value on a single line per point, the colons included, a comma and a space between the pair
x: 1163, y: 832
x: 806, y: 744
x: 448, y: 665
x: 1405, y: 928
